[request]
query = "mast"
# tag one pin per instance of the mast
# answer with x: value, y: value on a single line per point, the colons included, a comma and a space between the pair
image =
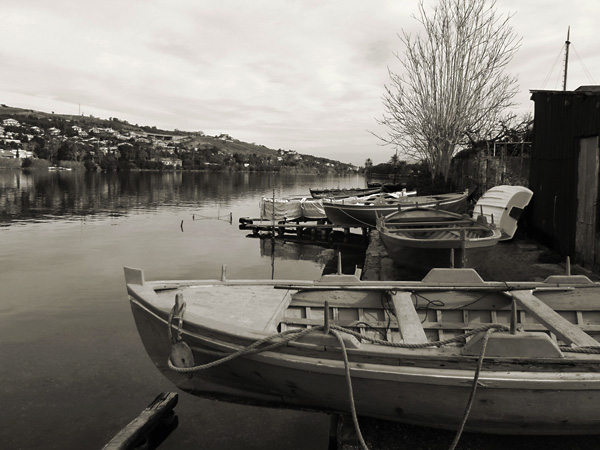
x: 567, y: 43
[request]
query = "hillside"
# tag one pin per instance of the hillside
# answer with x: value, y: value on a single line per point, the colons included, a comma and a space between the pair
x: 128, y: 146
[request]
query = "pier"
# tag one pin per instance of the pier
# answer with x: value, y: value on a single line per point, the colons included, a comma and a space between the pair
x: 321, y: 227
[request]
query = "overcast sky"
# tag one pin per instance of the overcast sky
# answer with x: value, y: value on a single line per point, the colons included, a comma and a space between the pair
x: 304, y: 75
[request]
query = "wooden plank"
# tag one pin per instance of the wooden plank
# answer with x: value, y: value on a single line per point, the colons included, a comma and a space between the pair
x: 407, y: 229
x: 409, y: 323
x: 565, y: 330
x: 141, y: 426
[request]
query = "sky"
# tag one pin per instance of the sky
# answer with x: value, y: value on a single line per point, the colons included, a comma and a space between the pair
x: 303, y: 75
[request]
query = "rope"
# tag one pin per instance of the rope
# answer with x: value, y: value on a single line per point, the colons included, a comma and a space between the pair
x: 460, y: 338
x: 283, y: 338
x: 350, y: 391
x: 588, y: 350
x: 176, y: 313
x: 473, y: 389
x: 354, y: 218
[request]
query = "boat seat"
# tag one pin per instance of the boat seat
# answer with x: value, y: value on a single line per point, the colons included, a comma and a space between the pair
x: 564, y: 330
x: 409, y: 324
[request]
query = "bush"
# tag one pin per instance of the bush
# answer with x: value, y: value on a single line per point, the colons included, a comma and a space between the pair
x: 10, y: 163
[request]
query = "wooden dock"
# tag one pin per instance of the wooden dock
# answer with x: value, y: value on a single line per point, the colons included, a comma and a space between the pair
x: 320, y: 227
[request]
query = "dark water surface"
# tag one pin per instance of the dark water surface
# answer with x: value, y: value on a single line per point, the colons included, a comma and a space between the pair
x: 73, y: 370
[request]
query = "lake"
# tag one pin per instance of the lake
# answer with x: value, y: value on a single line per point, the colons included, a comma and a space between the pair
x: 73, y: 369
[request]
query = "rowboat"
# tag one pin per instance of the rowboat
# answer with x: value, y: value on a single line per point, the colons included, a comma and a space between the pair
x: 424, y: 238
x: 503, y: 205
x: 343, y: 192
x: 450, y: 350
x: 363, y: 211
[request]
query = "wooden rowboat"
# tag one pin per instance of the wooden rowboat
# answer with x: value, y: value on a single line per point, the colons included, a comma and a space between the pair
x: 343, y: 192
x: 424, y: 238
x: 362, y: 212
x: 418, y: 352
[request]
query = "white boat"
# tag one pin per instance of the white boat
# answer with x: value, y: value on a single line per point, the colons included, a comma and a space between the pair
x: 503, y: 206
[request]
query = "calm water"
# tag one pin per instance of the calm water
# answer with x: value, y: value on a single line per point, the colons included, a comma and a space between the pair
x: 73, y: 370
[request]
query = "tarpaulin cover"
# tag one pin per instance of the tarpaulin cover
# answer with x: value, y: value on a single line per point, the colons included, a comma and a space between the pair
x: 291, y: 209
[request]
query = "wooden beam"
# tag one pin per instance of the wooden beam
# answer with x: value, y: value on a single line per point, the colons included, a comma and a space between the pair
x: 565, y: 330
x: 140, y: 427
x: 409, y: 323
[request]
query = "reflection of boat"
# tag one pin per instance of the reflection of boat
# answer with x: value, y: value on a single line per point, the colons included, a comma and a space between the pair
x: 425, y: 238
x: 415, y: 349
x: 351, y: 254
x: 503, y: 206
x: 291, y: 208
x: 343, y: 193
x: 363, y: 211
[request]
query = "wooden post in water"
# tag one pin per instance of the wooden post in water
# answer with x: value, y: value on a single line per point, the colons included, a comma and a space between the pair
x: 138, y: 430
x: 568, y: 264
x: 223, y: 272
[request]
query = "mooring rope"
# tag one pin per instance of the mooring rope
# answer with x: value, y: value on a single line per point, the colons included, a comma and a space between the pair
x: 280, y: 339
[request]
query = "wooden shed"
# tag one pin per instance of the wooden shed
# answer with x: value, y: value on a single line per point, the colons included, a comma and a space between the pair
x: 564, y: 172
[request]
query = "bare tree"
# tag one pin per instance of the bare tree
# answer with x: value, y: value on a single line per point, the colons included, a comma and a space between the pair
x: 453, y: 85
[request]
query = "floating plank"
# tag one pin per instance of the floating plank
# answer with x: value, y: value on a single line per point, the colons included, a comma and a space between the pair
x: 409, y: 323
x: 565, y: 330
x: 139, y: 428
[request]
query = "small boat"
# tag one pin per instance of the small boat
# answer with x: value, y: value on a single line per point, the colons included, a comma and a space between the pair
x: 503, y: 206
x: 388, y: 187
x: 424, y: 238
x: 506, y: 357
x: 343, y: 192
x: 363, y: 211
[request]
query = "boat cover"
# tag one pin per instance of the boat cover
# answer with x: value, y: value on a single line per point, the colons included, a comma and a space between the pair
x: 291, y: 208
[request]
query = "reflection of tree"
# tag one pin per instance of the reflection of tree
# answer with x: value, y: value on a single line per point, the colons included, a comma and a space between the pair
x: 43, y: 194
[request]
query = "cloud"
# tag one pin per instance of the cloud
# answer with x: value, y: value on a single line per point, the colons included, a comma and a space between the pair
x: 306, y: 75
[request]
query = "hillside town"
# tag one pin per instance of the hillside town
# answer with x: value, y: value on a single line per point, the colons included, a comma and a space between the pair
x: 112, y: 144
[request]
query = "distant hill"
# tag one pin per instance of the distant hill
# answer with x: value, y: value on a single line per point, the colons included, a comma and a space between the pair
x: 188, y: 141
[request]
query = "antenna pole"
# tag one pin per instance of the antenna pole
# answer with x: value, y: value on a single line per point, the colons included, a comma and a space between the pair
x: 567, y: 43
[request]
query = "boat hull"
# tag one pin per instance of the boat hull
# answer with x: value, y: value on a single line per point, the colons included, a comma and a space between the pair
x: 363, y: 215
x: 510, y: 401
x: 426, y: 256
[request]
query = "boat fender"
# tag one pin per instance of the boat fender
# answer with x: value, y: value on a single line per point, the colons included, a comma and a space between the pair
x: 181, y: 355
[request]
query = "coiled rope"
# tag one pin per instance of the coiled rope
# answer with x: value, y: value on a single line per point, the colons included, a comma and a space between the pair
x: 281, y: 339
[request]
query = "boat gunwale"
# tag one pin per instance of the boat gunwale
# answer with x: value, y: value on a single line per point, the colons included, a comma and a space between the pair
x: 248, y: 335
x: 409, y: 371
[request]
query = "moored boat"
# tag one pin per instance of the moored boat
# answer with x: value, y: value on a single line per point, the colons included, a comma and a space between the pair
x: 363, y: 211
x: 343, y: 192
x: 523, y: 356
x: 424, y: 238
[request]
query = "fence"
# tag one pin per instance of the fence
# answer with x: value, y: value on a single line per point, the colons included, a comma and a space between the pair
x: 504, y: 163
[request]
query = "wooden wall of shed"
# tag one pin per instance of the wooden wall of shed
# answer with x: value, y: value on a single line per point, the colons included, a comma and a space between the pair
x: 561, y: 119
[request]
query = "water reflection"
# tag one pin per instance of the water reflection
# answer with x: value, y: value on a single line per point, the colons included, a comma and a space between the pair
x: 44, y: 195
x: 65, y: 319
